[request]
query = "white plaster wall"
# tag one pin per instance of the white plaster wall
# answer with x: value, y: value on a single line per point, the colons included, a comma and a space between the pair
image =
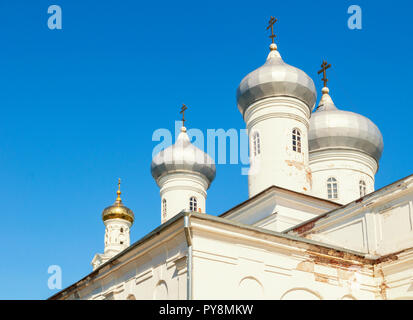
x: 286, y: 217
x: 159, y: 273
x: 396, y: 277
x: 230, y: 263
x: 178, y: 188
x: 382, y: 228
x: 351, y: 234
x: 394, y: 225
x: 254, y: 212
x: 274, y: 119
x: 228, y: 268
x: 279, y: 210
x: 115, y: 240
x: 348, y: 167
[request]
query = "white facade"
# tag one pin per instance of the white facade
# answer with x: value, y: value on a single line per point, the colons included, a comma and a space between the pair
x: 235, y: 261
x: 379, y: 226
x: 361, y: 251
x: 354, y: 172
x: 279, y: 209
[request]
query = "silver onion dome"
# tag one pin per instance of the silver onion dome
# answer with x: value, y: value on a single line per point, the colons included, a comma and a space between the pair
x: 275, y: 78
x: 332, y: 128
x: 183, y: 156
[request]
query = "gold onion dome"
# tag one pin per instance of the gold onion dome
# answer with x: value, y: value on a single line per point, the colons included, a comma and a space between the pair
x: 118, y: 210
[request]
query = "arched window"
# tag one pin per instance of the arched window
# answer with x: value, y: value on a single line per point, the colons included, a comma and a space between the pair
x: 297, y: 140
x: 332, y: 188
x: 363, y: 188
x: 164, y: 207
x: 256, y: 143
x: 193, y: 204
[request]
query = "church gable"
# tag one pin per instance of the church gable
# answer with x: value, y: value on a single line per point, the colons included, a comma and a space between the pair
x: 378, y: 224
x: 278, y: 209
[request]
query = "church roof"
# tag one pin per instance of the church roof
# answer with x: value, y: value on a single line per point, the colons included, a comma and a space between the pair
x: 284, y: 190
x: 307, y: 226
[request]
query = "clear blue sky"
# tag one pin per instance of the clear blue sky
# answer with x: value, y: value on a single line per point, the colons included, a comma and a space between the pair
x: 79, y: 106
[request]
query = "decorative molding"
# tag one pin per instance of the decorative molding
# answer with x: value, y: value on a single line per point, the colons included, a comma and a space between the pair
x: 145, y: 275
x: 278, y: 115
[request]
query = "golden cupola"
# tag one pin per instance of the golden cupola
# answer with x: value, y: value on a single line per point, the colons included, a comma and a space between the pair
x: 118, y: 210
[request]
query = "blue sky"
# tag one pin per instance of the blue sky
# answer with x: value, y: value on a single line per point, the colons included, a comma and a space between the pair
x: 79, y: 106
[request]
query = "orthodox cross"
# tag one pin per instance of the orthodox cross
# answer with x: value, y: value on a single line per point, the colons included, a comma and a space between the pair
x: 271, y: 25
x: 323, y: 70
x: 184, y: 107
x: 118, y: 199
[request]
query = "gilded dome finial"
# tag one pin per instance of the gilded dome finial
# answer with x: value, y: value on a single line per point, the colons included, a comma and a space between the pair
x: 118, y: 199
x: 118, y: 209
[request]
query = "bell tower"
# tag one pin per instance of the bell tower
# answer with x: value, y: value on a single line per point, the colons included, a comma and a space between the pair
x: 118, y: 220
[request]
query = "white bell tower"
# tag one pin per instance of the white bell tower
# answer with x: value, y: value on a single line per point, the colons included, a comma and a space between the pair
x: 118, y: 220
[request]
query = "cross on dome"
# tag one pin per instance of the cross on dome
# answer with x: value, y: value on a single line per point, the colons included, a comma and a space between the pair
x: 118, y: 199
x: 271, y: 25
x: 184, y: 107
x: 324, y: 66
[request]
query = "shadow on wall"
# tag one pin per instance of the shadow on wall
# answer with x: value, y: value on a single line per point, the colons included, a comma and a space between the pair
x: 301, y: 294
x: 161, y: 291
x: 251, y: 289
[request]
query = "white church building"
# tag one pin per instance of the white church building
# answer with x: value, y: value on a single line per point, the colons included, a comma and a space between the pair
x: 313, y: 227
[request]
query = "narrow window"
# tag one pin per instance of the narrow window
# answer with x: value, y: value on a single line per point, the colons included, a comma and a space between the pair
x: 297, y: 140
x: 193, y: 205
x: 332, y: 188
x: 363, y: 188
x: 164, y: 207
x: 256, y: 143
x: 121, y: 230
